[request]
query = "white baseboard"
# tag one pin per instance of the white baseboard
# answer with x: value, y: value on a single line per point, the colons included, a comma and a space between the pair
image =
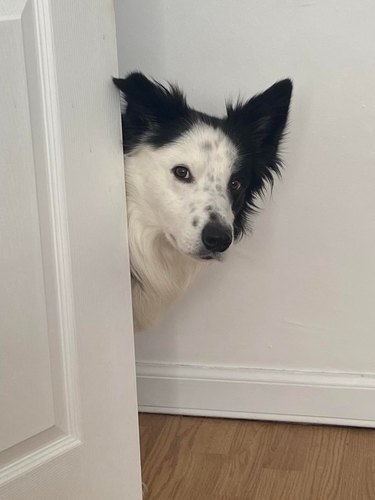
x: 252, y: 393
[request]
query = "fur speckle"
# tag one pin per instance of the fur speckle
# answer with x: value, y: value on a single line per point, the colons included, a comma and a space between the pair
x: 195, y: 222
x: 207, y: 146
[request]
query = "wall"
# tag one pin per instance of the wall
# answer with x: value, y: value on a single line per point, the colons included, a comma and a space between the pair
x: 297, y: 295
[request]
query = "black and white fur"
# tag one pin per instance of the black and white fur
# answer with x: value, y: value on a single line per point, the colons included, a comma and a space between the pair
x: 191, y: 181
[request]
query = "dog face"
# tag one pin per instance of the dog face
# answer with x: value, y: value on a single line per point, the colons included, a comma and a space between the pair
x: 200, y: 174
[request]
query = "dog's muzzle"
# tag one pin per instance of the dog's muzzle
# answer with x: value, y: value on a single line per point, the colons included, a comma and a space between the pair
x: 216, y: 237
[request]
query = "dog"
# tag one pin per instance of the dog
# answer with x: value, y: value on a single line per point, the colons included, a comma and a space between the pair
x: 191, y: 181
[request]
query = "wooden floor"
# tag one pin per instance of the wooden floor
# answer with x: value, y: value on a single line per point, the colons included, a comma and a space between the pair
x: 205, y: 459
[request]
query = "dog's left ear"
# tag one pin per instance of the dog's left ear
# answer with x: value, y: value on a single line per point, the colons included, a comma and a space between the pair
x: 259, y: 123
x: 150, y: 105
x: 151, y: 100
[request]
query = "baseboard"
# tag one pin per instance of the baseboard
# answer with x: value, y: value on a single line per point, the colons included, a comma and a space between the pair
x: 262, y: 394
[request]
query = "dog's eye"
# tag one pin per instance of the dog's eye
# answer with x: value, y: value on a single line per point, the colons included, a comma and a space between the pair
x: 182, y: 173
x: 235, y: 185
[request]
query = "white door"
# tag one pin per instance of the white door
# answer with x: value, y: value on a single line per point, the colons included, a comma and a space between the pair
x: 68, y: 416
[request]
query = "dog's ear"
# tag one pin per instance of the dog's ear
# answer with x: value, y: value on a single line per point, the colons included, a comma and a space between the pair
x: 150, y: 101
x: 259, y: 124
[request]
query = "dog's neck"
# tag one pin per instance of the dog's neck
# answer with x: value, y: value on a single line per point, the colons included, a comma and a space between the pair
x: 159, y: 272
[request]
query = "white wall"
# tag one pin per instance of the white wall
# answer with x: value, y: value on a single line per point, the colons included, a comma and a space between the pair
x: 299, y: 293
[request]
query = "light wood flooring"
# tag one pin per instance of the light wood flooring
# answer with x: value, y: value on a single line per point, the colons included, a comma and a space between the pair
x: 215, y: 459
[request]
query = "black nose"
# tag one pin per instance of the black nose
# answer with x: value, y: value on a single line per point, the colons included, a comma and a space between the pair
x: 216, y: 237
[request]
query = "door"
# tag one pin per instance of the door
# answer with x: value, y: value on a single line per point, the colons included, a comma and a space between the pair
x: 68, y: 414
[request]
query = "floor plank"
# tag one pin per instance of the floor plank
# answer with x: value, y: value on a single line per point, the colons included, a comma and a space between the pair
x: 194, y: 458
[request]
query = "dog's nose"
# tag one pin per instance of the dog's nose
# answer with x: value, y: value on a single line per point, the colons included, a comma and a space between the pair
x: 216, y: 237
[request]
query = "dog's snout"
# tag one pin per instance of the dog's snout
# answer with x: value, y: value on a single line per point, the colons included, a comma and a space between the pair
x: 216, y: 237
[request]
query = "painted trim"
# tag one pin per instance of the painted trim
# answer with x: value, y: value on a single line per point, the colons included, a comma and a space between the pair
x: 58, y: 213
x: 255, y: 393
x: 42, y: 455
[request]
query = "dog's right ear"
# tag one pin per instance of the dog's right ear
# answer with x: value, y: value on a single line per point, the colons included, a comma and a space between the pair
x: 151, y: 102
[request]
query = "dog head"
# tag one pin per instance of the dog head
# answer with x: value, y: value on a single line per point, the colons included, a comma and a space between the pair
x: 200, y: 174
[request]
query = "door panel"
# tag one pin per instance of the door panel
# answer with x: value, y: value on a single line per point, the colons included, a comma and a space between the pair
x: 25, y: 370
